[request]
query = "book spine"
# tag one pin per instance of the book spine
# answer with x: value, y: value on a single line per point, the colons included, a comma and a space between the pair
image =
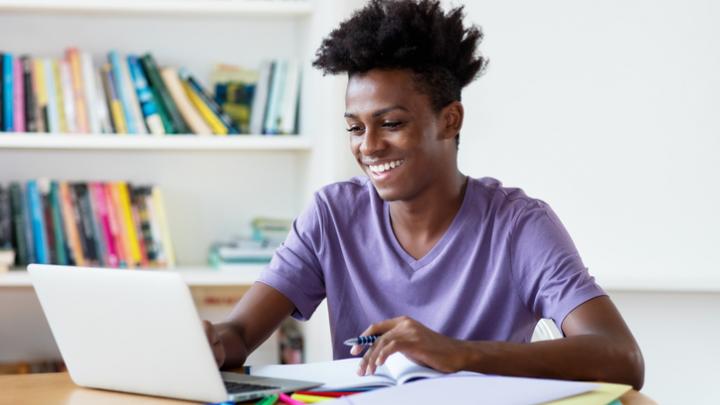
x: 70, y: 224
x: 289, y: 103
x: 145, y: 97
x: 17, y: 207
x: 188, y: 113
x: 100, y: 243
x: 43, y: 115
x: 104, y: 121
x: 209, y: 101
x: 159, y: 204
x: 114, y: 222
x: 274, y: 95
x: 44, y: 187
x: 101, y: 209
x: 2, y: 92
x: 19, y: 96
x: 68, y: 97
x: 155, y: 229
x: 82, y: 105
x: 135, y: 111
x: 8, y: 93
x: 120, y: 91
x: 128, y: 225
x: 61, y: 245
x: 37, y: 220
x: 139, y: 194
x: 5, y: 219
x: 52, y: 103
x: 116, y: 111
x: 153, y: 75
x: 212, y: 120
x: 59, y: 97
x: 135, y: 209
x: 95, y: 106
x: 259, y: 104
x: 83, y: 214
x: 29, y: 92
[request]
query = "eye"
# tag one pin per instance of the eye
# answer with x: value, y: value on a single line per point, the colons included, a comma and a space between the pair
x: 392, y: 124
x: 354, y: 129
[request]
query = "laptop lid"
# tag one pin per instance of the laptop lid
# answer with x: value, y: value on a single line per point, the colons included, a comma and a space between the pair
x: 128, y: 330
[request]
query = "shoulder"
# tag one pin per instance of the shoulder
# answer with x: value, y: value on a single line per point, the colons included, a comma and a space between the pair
x: 505, y: 202
x: 348, y: 196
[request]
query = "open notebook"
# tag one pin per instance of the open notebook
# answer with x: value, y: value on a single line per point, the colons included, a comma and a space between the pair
x: 342, y: 374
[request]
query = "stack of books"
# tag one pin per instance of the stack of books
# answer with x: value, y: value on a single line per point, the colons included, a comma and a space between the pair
x: 267, y: 235
x: 132, y: 94
x: 109, y: 224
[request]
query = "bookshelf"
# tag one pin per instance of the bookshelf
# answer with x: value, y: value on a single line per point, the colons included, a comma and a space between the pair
x: 212, y: 186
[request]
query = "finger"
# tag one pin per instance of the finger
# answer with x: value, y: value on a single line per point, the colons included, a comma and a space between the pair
x: 378, y: 347
x: 386, y: 351
x: 356, y: 349
x: 381, y: 327
x: 364, y: 362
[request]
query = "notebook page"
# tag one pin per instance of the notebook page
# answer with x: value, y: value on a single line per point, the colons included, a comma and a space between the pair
x: 337, y: 374
x: 401, y: 369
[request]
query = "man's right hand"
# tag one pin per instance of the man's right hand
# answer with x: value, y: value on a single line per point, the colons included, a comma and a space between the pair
x: 215, y: 342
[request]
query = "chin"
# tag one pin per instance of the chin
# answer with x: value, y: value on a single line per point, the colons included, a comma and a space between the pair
x: 388, y: 193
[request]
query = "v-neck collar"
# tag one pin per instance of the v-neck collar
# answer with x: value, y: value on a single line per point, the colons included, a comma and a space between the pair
x: 439, y: 246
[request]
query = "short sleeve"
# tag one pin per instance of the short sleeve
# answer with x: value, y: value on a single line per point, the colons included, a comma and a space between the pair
x: 547, y: 267
x: 295, y: 269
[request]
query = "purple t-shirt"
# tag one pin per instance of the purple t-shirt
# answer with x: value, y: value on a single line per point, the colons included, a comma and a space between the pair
x: 504, y: 262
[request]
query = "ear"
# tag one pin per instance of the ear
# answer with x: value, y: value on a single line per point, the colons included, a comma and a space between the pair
x: 452, y: 119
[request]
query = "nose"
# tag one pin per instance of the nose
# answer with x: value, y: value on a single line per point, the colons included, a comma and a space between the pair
x: 372, y: 143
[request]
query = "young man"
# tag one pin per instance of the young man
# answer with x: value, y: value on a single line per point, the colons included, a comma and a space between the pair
x: 452, y: 271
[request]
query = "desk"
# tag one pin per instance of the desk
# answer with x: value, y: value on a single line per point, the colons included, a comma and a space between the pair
x: 57, y: 388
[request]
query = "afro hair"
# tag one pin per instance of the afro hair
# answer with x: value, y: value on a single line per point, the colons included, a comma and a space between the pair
x: 407, y: 34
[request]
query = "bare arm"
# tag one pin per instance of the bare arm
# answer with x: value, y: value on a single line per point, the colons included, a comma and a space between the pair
x: 254, y: 318
x: 598, y: 347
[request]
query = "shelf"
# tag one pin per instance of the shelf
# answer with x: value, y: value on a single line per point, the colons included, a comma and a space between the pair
x: 148, y: 142
x: 193, y: 276
x: 216, y: 8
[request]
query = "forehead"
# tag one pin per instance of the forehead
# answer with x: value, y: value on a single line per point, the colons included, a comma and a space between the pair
x: 375, y: 89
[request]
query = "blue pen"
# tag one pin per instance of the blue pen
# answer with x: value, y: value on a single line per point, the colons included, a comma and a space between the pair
x: 362, y: 340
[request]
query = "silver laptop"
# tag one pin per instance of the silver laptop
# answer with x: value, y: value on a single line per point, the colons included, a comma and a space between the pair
x: 138, y: 331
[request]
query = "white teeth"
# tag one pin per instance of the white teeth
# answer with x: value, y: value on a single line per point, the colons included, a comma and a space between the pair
x: 385, y: 166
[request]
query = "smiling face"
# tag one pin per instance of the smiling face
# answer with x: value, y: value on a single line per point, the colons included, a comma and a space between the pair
x: 397, y: 139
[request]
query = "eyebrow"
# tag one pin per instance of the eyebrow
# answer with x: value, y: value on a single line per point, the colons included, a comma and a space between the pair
x: 380, y: 111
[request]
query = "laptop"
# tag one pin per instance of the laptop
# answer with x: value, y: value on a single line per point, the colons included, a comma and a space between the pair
x: 139, y: 331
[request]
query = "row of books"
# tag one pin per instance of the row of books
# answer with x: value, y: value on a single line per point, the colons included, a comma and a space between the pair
x: 134, y: 95
x: 109, y: 224
x: 267, y: 235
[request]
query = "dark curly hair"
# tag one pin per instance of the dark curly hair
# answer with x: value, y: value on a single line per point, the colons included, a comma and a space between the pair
x: 407, y: 34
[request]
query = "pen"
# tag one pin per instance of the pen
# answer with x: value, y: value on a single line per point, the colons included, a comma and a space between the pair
x: 269, y: 400
x: 287, y: 400
x: 362, y: 340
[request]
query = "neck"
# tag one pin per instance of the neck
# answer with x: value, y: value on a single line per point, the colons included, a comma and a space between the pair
x: 431, y: 212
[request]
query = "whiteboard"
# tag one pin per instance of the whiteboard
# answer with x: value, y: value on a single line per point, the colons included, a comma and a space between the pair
x: 610, y: 112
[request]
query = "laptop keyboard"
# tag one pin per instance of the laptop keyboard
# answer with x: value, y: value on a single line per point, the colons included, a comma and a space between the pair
x: 236, y: 388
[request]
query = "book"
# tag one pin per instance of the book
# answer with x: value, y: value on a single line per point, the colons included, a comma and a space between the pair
x: 135, y: 111
x: 178, y: 126
x: 41, y: 97
x: 137, y: 221
x: 159, y: 208
x: 59, y: 98
x: 51, y: 91
x: 289, y: 105
x: 114, y: 218
x: 37, y: 222
x: 211, y: 119
x: 75, y: 253
x: 17, y: 207
x: 50, y: 232
x: 342, y: 374
x: 18, y: 96
x: 84, y: 216
x: 101, y: 106
x: 139, y: 200
x: 2, y: 93
x: 259, y: 105
x: 92, y: 212
x: 189, y: 114
x: 68, y: 97
x: 30, y: 101
x: 117, y: 114
x: 100, y: 204
x: 8, y: 93
x: 277, y: 84
x: 6, y: 219
x: 208, y: 99
x: 120, y: 90
x: 127, y: 226
x: 82, y: 106
x: 145, y: 96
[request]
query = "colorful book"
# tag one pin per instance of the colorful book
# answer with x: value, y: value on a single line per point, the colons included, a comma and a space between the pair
x: 145, y: 96
x: 289, y: 103
x: 100, y: 243
x: 121, y: 91
x: 155, y: 229
x: 159, y: 205
x: 75, y: 253
x: 135, y: 111
x: 127, y: 224
x: 41, y: 98
x: 27, y: 223
x: 189, y: 114
x: 29, y: 92
x: 208, y: 99
x: 139, y: 200
x: 212, y: 120
x: 114, y: 219
x: 8, y: 93
x: 2, y: 92
x: 62, y: 247
x: 276, y: 94
x: 52, y: 101
x: 116, y: 111
x: 79, y: 196
x: 5, y: 219
x: 81, y: 104
x: 44, y: 188
x: 167, y: 104
x: 68, y: 97
x: 94, y: 104
x: 100, y: 205
x: 18, y: 96
x: 137, y: 221
x: 103, y: 122
x: 59, y: 98
x: 37, y: 222
x: 22, y: 255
